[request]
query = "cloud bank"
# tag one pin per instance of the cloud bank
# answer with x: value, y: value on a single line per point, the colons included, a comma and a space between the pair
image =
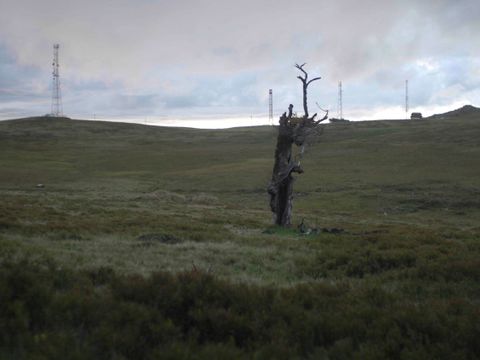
x: 220, y: 57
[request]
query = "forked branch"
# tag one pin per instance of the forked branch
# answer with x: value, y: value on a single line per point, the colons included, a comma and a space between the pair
x: 305, y: 83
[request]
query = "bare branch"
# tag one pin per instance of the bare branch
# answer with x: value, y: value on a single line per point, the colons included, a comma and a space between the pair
x: 300, y: 67
x: 302, y: 80
x: 321, y: 107
x: 322, y: 119
x: 305, y: 83
x: 314, y: 79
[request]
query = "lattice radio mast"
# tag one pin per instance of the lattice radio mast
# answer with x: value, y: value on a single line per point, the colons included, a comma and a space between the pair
x: 340, y: 101
x: 57, y: 108
x: 406, y: 99
x: 270, y: 106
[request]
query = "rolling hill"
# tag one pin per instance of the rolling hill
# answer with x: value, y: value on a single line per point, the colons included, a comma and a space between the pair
x: 463, y: 112
x: 168, y: 232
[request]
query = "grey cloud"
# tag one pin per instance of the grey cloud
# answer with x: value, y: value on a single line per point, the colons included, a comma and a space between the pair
x: 170, y: 49
x: 133, y: 104
x: 180, y: 102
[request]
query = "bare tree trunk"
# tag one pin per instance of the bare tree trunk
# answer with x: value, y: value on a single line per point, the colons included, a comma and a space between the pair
x: 291, y: 131
x: 281, y: 186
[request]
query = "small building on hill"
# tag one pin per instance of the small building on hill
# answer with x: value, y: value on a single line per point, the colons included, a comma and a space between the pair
x: 416, y: 116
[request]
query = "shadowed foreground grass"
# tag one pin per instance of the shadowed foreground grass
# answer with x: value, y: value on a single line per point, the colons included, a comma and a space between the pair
x: 52, y: 313
x: 157, y: 243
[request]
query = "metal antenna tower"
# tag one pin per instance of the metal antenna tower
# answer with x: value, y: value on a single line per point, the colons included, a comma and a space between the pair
x: 270, y: 106
x: 340, y: 101
x: 406, y: 99
x: 57, y: 108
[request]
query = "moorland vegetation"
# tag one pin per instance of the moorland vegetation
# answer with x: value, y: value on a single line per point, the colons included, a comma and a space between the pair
x: 150, y: 242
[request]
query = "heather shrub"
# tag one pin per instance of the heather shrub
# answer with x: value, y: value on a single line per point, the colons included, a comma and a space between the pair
x: 48, y: 312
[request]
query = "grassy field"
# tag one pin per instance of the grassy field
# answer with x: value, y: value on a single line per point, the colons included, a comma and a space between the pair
x: 135, y: 199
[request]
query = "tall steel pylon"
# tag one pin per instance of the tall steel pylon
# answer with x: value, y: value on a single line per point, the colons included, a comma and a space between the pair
x: 340, y: 100
x: 270, y: 106
x: 57, y: 107
x: 406, y: 99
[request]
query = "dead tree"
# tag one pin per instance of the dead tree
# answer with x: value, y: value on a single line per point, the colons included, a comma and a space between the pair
x: 292, y: 130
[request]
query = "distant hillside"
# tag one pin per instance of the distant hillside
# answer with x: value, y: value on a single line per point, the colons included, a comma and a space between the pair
x: 59, y: 151
x: 464, y: 111
x: 336, y: 120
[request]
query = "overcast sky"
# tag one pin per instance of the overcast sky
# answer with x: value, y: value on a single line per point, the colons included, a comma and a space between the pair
x: 208, y: 59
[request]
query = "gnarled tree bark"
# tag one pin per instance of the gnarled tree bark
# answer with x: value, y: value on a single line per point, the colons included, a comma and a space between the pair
x: 292, y: 130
